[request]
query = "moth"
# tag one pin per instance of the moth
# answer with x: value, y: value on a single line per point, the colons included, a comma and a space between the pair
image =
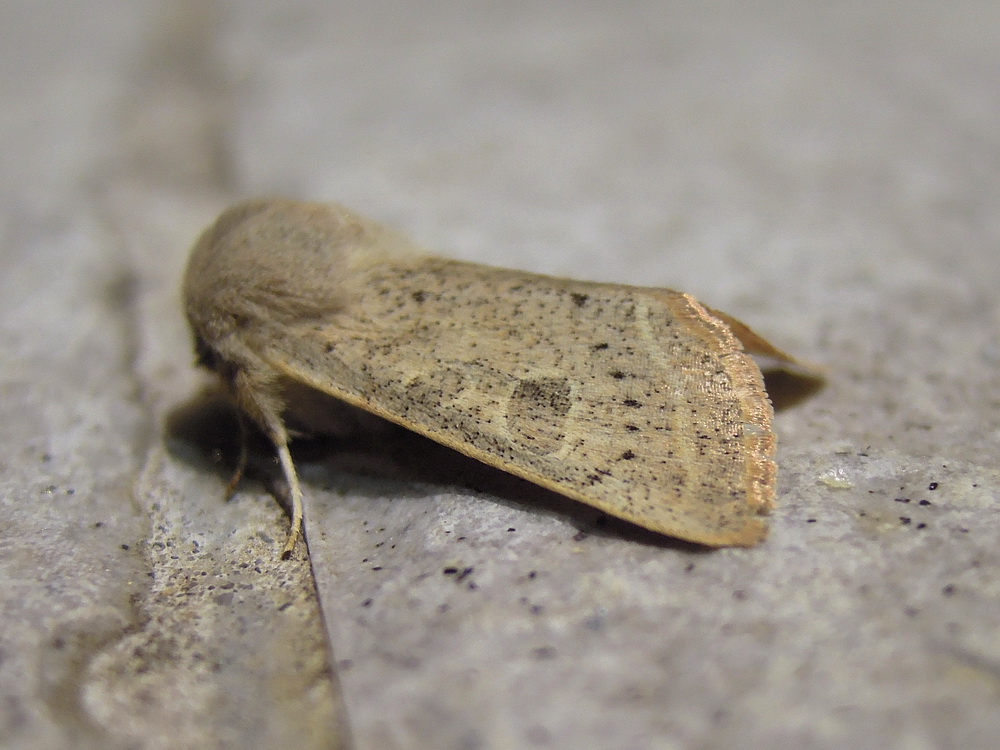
x: 641, y: 402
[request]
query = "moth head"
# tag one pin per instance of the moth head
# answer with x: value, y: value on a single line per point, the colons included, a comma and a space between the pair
x: 267, y: 264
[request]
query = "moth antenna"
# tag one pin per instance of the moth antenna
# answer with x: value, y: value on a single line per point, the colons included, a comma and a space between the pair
x: 241, y: 460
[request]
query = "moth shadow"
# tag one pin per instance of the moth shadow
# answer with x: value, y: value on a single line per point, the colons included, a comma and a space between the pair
x: 204, y: 431
x: 788, y: 388
x: 408, y: 458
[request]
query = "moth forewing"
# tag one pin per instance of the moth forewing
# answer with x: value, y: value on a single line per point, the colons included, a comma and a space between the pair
x: 582, y: 388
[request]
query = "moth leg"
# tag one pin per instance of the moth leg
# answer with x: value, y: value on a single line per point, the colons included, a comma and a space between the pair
x: 241, y: 461
x: 292, y: 477
x: 255, y: 392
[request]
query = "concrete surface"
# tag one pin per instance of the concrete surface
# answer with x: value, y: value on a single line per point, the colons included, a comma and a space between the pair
x: 828, y: 173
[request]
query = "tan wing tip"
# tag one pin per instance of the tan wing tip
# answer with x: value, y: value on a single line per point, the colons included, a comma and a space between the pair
x: 787, y: 379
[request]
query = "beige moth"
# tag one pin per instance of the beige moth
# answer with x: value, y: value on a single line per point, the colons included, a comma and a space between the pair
x: 641, y: 402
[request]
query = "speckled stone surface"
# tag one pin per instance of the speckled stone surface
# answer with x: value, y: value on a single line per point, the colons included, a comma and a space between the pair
x: 827, y: 174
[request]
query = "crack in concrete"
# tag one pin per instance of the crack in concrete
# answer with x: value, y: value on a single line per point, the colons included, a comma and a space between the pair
x: 174, y: 124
